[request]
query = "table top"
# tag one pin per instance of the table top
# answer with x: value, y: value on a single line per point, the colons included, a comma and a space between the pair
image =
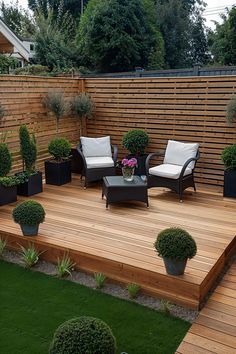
x: 118, y: 181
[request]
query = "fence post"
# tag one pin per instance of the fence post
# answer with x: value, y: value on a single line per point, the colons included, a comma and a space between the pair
x: 196, y: 68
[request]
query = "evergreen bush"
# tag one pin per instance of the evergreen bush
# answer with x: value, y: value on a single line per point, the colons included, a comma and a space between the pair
x: 60, y: 149
x: 229, y: 157
x: 29, y: 212
x: 28, y: 149
x: 83, y: 335
x: 135, y: 141
x: 5, y: 160
x: 175, y: 243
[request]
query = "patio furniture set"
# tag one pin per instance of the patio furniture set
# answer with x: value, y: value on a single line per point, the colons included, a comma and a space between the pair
x: 176, y: 172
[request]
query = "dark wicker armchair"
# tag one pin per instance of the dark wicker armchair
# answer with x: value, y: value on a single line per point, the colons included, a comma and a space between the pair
x: 177, y: 171
x: 97, y: 167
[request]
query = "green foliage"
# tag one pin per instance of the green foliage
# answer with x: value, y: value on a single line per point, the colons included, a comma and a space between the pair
x: 115, y: 35
x: 64, y: 266
x: 100, y: 279
x: 34, y: 69
x: 175, y: 243
x: 60, y: 149
x: 133, y: 290
x: 28, y: 149
x: 229, y: 157
x: 29, y: 212
x: 83, y: 335
x: 30, y: 255
x: 2, y: 111
x: 3, y: 244
x: 18, y: 19
x: 135, y: 141
x: 6, y: 63
x: 82, y: 106
x: 5, y: 160
x: 231, y: 110
x: 55, y: 102
x: 9, y: 181
x: 166, y: 307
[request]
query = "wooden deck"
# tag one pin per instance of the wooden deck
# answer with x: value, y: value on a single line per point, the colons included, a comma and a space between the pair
x: 214, y: 330
x: 119, y: 241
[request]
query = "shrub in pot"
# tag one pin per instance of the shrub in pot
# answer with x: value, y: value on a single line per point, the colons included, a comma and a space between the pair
x: 175, y: 246
x: 58, y: 170
x: 8, y: 184
x: 29, y: 214
x: 55, y: 102
x: 82, y: 107
x: 229, y: 158
x: 30, y: 178
x: 83, y: 335
x: 136, y: 141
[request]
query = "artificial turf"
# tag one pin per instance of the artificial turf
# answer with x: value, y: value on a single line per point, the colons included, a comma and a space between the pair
x: 33, y: 305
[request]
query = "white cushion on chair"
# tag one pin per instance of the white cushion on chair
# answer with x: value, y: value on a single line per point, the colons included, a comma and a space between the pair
x: 168, y: 171
x: 96, y: 146
x: 178, y: 153
x: 99, y: 162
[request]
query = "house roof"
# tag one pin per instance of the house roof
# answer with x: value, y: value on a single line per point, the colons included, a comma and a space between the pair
x: 14, y: 40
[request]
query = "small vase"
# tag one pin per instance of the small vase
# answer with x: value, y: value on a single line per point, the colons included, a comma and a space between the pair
x: 128, y: 173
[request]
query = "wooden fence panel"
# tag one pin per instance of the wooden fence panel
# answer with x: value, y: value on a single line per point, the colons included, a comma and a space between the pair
x: 190, y: 109
x: 22, y: 99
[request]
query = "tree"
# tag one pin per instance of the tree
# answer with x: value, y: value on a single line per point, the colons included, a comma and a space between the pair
x: 114, y: 35
x: 6, y: 63
x: 222, y: 41
x: 19, y: 20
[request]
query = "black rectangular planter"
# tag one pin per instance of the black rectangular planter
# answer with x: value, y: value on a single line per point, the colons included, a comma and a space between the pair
x: 141, y: 160
x: 33, y: 186
x: 58, y: 173
x: 230, y: 183
x: 76, y: 161
x: 8, y: 195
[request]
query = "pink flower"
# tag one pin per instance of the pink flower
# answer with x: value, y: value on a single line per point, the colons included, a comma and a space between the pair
x: 129, y: 163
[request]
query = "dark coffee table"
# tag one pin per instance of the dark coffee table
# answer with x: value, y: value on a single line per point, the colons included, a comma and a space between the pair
x: 116, y: 189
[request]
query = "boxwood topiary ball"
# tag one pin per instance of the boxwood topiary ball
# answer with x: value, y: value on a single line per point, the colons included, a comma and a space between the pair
x: 175, y: 243
x: 29, y: 213
x: 229, y: 157
x: 60, y: 149
x: 135, y: 141
x: 83, y: 335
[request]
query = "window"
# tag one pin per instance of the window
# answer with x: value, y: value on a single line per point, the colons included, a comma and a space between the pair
x: 31, y: 47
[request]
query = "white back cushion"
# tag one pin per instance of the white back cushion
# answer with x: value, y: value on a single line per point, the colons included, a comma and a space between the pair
x: 96, y: 147
x: 178, y: 153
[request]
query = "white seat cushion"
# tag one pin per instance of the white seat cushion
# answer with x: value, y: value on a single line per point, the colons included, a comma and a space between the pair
x: 178, y: 153
x: 99, y: 147
x: 99, y: 162
x: 168, y: 171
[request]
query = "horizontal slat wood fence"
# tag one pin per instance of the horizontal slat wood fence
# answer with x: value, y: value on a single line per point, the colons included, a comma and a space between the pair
x: 22, y: 99
x: 186, y: 109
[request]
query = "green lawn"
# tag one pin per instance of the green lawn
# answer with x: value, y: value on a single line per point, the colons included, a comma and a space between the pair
x: 32, y: 305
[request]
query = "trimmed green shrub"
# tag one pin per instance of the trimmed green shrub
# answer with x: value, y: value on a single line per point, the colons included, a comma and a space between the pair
x: 9, y: 181
x: 60, y: 149
x: 136, y: 141
x: 229, y: 157
x: 175, y: 243
x: 28, y: 149
x: 5, y: 160
x: 83, y: 335
x: 231, y: 110
x: 28, y: 212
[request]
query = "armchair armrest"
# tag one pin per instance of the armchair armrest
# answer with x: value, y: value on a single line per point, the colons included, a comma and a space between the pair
x: 115, y: 152
x: 150, y: 156
x: 187, y: 163
x: 81, y: 154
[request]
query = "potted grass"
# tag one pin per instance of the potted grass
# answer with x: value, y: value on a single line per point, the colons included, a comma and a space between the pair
x: 175, y: 246
x: 29, y: 214
x: 8, y: 184
x: 30, y: 179
x: 58, y: 170
x: 229, y: 158
x: 136, y: 141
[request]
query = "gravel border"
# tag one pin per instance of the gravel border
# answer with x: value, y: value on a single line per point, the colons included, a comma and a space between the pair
x: 109, y: 288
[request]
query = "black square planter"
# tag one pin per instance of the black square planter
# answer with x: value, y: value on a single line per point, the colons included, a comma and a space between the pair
x: 33, y: 186
x: 8, y: 195
x: 58, y: 173
x: 141, y: 160
x: 230, y: 183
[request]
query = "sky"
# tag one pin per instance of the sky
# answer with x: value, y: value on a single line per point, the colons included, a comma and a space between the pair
x: 214, y: 8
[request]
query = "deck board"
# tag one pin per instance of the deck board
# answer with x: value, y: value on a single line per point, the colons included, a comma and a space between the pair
x: 119, y: 241
x: 215, y: 327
